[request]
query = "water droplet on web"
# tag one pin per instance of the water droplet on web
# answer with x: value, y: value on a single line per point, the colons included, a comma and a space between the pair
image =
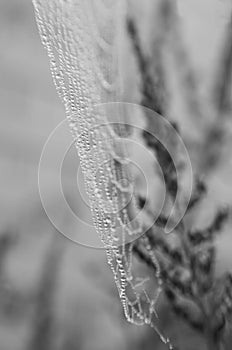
x: 83, y: 80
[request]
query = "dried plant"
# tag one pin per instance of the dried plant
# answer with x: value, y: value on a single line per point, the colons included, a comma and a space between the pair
x: 187, y: 256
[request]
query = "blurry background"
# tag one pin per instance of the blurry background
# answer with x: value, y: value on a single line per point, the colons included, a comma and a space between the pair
x: 55, y: 294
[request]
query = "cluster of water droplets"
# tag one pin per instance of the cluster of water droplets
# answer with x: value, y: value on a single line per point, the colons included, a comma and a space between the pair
x: 82, y: 41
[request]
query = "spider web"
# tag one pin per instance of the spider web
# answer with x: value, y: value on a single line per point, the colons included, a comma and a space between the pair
x: 82, y: 39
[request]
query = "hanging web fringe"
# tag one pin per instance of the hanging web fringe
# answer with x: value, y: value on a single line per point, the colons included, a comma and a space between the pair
x: 82, y: 40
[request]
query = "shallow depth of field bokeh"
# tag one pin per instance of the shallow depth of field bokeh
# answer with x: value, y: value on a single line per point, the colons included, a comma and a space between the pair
x: 55, y: 294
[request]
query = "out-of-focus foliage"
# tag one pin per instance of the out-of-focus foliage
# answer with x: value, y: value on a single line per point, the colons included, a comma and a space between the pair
x: 195, y: 292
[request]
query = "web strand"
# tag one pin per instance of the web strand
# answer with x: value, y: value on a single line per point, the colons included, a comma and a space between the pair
x: 85, y: 69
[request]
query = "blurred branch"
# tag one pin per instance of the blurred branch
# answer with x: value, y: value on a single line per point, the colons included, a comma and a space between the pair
x: 6, y: 241
x: 43, y: 327
x: 8, y: 299
x: 151, y: 97
x: 184, y: 67
x: 222, y: 85
x: 198, y: 193
x: 197, y: 237
x: 215, y: 136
